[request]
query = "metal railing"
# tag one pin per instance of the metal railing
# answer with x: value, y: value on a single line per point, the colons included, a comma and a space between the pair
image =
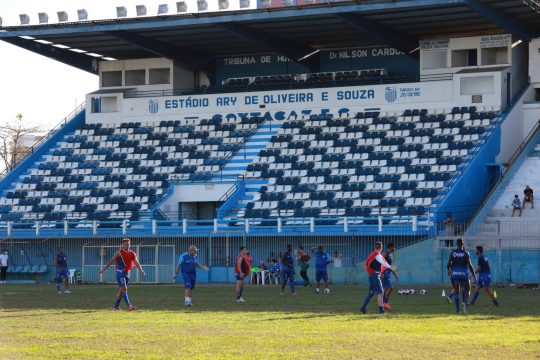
x: 30, y: 151
x: 291, y: 85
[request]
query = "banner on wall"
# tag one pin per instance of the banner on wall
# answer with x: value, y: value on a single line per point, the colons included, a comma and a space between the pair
x: 344, y: 97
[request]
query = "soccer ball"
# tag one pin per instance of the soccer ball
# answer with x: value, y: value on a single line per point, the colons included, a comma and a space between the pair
x: 403, y: 292
x: 423, y: 292
x: 327, y: 291
x: 411, y: 292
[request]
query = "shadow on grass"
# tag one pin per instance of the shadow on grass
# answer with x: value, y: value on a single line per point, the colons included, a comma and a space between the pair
x: 342, y: 301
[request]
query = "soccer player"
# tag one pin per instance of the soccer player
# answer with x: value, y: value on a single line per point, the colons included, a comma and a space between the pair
x: 375, y: 264
x: 322, y: 259
x: 303, y: 259
x: 458, y: 263
x: 484, y: 277
x: 124, y: 259
x: 241, y: 270
x: 287, y: 270
x: 386, y: 275
x: 62, y: 271
x: 188, y: 263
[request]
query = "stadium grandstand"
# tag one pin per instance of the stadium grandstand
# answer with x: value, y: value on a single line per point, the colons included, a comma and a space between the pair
x: 263, y: 123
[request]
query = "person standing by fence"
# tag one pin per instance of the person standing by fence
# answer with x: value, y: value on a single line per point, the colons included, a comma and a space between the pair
x: 4, y: 258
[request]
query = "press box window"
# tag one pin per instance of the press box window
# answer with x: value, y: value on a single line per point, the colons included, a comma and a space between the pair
x: 465, y: 57
x: 434, y: 59
x: 111, y: 78
x: 135, y: 77
x: 494, y: 56
x: 159, y: 76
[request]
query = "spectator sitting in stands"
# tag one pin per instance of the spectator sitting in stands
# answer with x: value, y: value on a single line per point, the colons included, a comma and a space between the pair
x: 528, y: 196
x: 516, y: 205
x: 262, y: 266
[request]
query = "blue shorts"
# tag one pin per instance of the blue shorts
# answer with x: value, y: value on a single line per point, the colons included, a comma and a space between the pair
x: 189, y: 280
x: 239, y: 277
x: 483, y: 281
x: 459, y: 280
x: 321, y: 275
x: 122, y: 279
x: 375, y: 285
x: 62, y: 274
x: 387, y: 281
x: 287, y: 275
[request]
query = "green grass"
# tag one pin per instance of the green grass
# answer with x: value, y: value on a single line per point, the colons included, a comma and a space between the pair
x: 37, y: 323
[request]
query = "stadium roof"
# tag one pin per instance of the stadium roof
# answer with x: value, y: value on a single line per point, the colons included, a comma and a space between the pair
x: 296, y: 32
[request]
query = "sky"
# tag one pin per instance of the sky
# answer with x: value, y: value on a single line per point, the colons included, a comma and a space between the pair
x: 45, y: 91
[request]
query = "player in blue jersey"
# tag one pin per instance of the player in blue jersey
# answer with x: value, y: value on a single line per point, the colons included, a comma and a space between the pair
x: 386, y: 276
x: 62, y: 271
x: 287, y: 270
x: 187, y: 264
x: 484, y: 277
x: 459, y: 262
x: 322, y: 259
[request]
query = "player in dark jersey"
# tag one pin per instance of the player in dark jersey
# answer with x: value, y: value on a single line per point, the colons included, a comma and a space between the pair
x: 124, y: 259
x: 484, y: 277
x: 375, y: 264
x: 386, y: 276
x: 241, y: 270
x: 459, y: 262
x: 287, y: 270
x: 62, y: 271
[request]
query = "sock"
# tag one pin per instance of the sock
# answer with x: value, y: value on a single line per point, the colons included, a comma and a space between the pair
x: 465, y: 296
x: 456, y: 301
x: 451, y: 296
x: 381, y: 310
x: 117, y: 304
x: 367, y: 299
x: 239, y: 294
x: 291, y: 284
x: 475, y: 296
x: 385, y: 299
x: 126, y: 299
x: 57, y: 287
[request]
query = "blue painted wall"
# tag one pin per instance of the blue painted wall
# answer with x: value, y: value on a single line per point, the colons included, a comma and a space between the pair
x: 473, y: 185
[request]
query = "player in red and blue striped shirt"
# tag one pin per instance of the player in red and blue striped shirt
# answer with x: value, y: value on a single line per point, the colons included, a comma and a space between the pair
x: 375, y: 265
x: 124, y: 259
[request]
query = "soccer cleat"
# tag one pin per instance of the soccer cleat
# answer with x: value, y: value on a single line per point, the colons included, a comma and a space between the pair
x: 241, y: 300
x: 363, y: 310
x: 114, y: 308
x: 294, y: 294
x: 449, y: 300
x: 387, y: 307
x: 464, y: 307
x: 67, y: 292
x: 59, y: 292
x: 317, y: 291
x: 188, y: 304
x: 494, y: 294
x: 131, y: 308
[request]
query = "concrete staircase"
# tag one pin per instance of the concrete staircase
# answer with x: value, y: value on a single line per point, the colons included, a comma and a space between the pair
x: 499, y: 223
x: 238, y: 164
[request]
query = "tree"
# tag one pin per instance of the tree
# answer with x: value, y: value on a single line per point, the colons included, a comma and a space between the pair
x: 12, y: 148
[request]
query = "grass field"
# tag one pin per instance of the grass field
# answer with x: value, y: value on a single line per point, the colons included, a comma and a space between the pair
x: 35, y: 322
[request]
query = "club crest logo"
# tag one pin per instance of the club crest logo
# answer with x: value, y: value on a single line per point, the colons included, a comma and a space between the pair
x: 153, y: 106
x: 390, y: 93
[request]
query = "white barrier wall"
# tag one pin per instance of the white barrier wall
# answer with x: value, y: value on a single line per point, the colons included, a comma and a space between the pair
x: 281, y: 105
